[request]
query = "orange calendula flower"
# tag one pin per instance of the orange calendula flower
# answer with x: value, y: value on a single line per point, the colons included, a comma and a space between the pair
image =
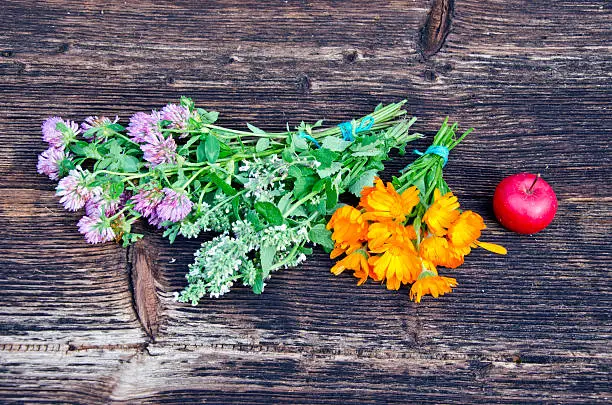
x: 357, y: 261
x: 384, y: 203
x: 349, y: 229
x: 442, y: 213
x: 381, y: 234
x: 441, y: 253
x: 431, y: 284
x: 466, y: 229
x: 397, y: 266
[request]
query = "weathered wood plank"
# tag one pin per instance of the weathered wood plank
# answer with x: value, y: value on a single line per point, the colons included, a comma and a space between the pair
x: 217, y: 375
x: 534, y: 78
x: 54, y: 376
x: 55, y: 288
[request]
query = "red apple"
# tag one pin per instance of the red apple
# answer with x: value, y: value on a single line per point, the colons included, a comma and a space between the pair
x: 524, y: 203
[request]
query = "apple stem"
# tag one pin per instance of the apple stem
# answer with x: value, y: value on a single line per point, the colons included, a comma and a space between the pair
x: 534, y: 183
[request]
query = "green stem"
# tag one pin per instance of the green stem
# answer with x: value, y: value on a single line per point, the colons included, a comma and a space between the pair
x: 120, y: 135
x: 119, y: 213
x: 203, y: 192
x: 193, y: 177
x: 299, y: 203
x: 289, y: 257
x: 128, y: 176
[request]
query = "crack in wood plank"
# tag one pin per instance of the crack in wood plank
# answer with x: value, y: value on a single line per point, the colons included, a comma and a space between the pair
x: 477, y: 359
x: 143, y: 279
x: 436, y: 27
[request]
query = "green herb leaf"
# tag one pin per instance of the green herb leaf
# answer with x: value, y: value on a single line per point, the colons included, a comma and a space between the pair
x: 302, y: 185
x: 236, y: 207
x: 116, y: 127
x: 270, y: 212
x: 212, y: 148
x: 226, y: 188
x: 299, y: 143
x: 93, y: 152
x: 262, y: 144
x: 187, y: 102
x: 116, y: 189
x: 190, y: 142
x: 65, y: 165
x: 201, y: 152
x: 294, y: 172
x: 283, y: 203
x: 256, y: 130
x: 90, y: 132
x: 210, y: 116
x: 254, y: 219
x: 319, y: 185
x: 366, y: 179
x: 258, y: 285
x: 129, y: 164
x: 335, y: 144
x: 320, y: 235
x: 79, y: 147
x: 334, y: 168
x: 287, y: 155
x: 325, y: 156
x: 299, y: 212
x: 60, y: 126
x: 103, y: 164
x: 266, y: 255
x: 331, y: 195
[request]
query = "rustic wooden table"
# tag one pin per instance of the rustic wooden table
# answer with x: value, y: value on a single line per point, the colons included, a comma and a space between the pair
x: 98, y: 324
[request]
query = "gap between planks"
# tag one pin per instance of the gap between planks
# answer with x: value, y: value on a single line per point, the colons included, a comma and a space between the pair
x: 152, y: 349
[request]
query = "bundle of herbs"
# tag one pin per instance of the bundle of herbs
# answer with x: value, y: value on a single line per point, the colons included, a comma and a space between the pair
x: 267, y: 195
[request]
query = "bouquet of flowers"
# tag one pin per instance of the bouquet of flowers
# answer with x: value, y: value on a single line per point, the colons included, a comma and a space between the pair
x: 266, y: 194
x: 400, y: 233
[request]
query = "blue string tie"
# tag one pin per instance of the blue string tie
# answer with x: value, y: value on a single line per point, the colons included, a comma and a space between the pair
x: 439, y: 150
x: 304, y: 135
x: 346, y: 128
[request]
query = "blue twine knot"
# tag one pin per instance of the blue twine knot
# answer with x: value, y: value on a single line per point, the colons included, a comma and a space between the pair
x: 439, y: 150
x: 304, y: 135
x: 346, y: 128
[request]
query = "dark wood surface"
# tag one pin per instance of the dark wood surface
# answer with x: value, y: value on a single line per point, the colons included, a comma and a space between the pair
x: 98, y: 324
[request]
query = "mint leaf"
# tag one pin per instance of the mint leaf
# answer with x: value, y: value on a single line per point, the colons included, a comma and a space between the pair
x: 302, y: 185
x: 325, y: 156
x: 331, y: 197
x: 322, y: 236
x: 335, y: 144
x: 299, y: 143
x: 366, y: 179
x: 334, y: 168
x: 283, y: 203
x: 270, y: 212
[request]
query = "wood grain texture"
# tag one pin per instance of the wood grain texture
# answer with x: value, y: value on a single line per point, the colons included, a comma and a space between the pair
x: 98, y: 324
